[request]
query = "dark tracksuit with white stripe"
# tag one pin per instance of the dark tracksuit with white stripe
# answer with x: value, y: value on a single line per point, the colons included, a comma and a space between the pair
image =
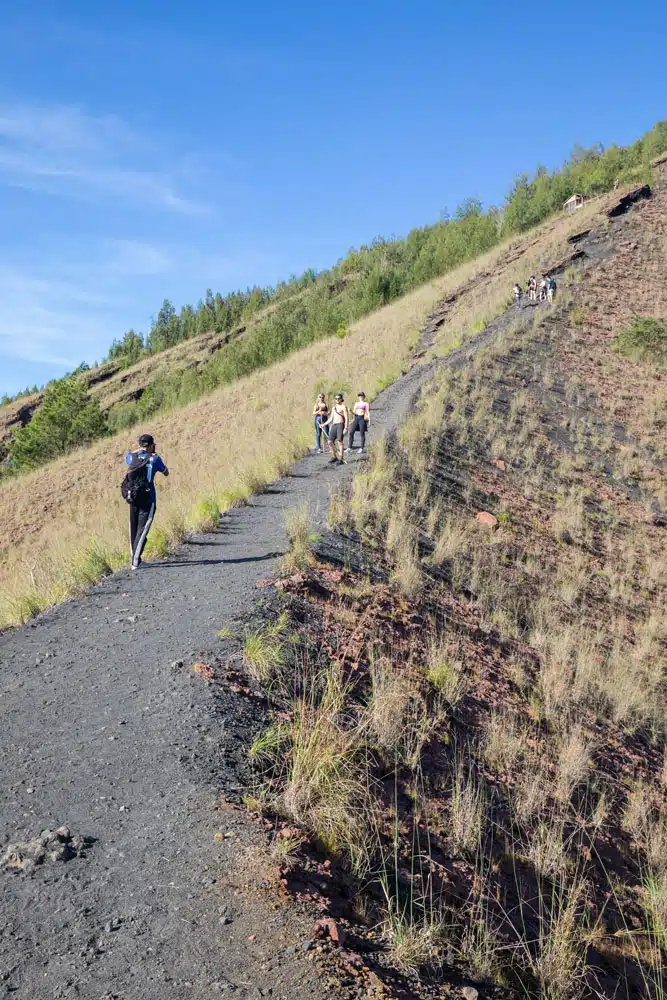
x: 143, y: 512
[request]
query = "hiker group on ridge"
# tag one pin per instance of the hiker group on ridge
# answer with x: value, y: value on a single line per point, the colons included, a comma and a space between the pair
x: 547, y: 289
x: 332, y: 425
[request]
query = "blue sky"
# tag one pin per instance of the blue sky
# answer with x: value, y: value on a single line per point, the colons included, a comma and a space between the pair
x: 152, y: 150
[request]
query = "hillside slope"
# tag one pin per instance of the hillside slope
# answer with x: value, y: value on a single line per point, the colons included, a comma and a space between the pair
x: 113, y: 383
x: 261, y: 325
x: 472, y: 724
x: 476, y: 724
x: 105, y: 727
x: 223, y: 445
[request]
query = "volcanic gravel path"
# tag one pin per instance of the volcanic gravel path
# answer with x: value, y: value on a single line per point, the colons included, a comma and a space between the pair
x: 100, y: 731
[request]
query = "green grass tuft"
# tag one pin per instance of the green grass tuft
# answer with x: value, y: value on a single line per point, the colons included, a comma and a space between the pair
x: 645, y: 340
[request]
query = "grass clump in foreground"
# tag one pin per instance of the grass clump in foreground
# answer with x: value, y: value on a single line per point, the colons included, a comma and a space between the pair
x: 264, y: 649
x: 300, y: 538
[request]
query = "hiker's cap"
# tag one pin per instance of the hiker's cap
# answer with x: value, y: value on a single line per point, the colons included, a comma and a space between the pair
x: 146, y: 440
x: 339, y: 395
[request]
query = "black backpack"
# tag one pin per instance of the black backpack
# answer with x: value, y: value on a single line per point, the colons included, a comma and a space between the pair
x: 135, y: 487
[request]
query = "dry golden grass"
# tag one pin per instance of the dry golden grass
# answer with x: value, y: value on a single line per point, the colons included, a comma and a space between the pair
x: 445, y: 673
x: 327, y: 784
x: 468, y: 805
x: 407, y: 574
x: 297, y: 528
x: 50, y: 515
x: 413, y: 944
x: 560, y: 962
x: 531, y: 790
x: 504, y: 741
x: 547, y: 849
x: 574, y: 762
x: 264, y: 650
x: 390, y: 704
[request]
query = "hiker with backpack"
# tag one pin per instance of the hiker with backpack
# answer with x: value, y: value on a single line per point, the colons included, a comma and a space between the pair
x: 138, y: 489
x: 518, y: 292
x: 551, y: 289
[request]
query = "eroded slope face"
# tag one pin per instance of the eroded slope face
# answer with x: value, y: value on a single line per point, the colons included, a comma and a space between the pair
x: 486, y: 661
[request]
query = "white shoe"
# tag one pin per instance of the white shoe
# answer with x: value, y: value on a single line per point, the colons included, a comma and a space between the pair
x: 133, y: 567
x: 361, y: 451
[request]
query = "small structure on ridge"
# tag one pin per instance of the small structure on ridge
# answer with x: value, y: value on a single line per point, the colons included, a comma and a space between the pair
x: 573, y: 203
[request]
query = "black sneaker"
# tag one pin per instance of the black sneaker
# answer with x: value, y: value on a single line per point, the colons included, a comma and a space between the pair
x: 341, y: 461
x: 333, y: 461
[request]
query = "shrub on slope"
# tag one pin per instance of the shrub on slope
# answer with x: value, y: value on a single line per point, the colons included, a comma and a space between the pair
x: 645, y: 340
x: 66, y: 418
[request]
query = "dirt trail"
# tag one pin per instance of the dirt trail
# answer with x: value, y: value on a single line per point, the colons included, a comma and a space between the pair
x: 99, y: 731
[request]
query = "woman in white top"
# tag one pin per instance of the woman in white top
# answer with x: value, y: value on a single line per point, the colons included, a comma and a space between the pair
x: 361, y: 421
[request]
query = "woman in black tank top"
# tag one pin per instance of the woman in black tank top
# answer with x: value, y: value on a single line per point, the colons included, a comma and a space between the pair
x: 320, y: 413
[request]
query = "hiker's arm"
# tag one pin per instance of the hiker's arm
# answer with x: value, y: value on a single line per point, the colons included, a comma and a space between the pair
x: 368, y: 415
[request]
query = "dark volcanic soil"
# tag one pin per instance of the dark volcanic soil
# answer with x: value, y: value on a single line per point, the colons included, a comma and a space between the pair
x: 102, y: 731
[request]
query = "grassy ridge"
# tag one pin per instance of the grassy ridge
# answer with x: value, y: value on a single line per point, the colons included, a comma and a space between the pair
x: 375, y: 274
x: 315, y: 306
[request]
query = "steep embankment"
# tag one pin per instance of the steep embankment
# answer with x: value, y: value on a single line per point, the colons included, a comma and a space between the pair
x: 65, y: 523
x: 476, y: 726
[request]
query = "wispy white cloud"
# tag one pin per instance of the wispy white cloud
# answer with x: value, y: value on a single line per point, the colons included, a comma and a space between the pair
x: 64, y: 151
x: 130, y: 258
x: 67, y: 310
x: 48, y: 327
x: 76, y: 297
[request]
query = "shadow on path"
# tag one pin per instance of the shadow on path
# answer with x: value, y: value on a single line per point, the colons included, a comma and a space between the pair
x: 172, y: 564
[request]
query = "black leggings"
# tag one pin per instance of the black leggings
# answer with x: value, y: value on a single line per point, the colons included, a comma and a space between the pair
x: 141, y: 518
x: 358, y: 424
